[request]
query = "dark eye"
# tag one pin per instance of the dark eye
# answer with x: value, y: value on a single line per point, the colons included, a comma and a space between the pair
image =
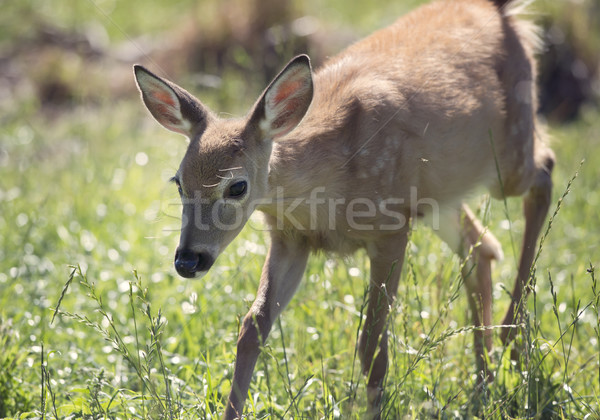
x: 179, y: 187
x: 176, y: 181
x: 238, y: 189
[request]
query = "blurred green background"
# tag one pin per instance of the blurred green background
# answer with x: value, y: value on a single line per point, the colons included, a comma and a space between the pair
x: 62, y: 53
x: 83, y: 171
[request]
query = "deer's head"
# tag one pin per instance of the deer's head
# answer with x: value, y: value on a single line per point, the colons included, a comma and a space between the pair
x: 224, y: 173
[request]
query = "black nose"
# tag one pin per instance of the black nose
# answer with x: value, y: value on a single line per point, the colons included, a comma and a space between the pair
x: 188, y: 263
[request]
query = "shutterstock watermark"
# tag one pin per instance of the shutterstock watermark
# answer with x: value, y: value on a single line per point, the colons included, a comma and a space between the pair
x: 316, y: 211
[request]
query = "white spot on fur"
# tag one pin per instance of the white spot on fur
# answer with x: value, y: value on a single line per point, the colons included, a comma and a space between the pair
x: 523, y: 91
x: 390, y: 177
x: 391, y: 145
x: 378, y: 167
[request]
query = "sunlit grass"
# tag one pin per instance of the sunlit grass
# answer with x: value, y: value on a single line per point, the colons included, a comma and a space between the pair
x: 94, y: 193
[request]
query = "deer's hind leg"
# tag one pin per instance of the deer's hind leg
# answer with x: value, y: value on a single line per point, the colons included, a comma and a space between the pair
x: 525, y: 161
x: 525, y: 167
x: 535, y: 208
x: 466, y: 236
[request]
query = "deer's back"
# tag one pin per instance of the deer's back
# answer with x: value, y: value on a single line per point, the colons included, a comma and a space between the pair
x: 409, y: 112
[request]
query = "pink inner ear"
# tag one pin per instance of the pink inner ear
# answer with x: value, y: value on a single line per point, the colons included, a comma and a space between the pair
x: 162, y: 96
x: 286, y: 89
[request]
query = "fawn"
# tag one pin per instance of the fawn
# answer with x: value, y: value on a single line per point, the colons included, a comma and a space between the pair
x: 402, y: 125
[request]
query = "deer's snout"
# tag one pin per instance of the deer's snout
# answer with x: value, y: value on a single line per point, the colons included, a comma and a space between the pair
x: 188, y: 263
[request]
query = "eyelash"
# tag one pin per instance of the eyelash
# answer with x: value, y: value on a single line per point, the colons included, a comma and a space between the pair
x: 242, y: 183
x: 176, y: 182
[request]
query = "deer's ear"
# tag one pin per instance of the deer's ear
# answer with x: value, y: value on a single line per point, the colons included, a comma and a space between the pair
x: 173, y: 107
x: 286, y: 100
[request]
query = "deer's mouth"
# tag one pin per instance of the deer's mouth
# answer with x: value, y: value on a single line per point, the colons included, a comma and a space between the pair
x: 190, y: 264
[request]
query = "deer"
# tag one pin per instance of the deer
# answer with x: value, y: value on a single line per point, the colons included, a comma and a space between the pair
x: 401, y: 126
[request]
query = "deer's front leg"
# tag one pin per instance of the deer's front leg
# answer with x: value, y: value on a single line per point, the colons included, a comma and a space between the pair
x: 280, y: 277
x: 386, y: 264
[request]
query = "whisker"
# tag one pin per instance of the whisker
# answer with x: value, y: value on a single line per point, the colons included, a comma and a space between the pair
x: 223, y: 177
x: 211, y: 185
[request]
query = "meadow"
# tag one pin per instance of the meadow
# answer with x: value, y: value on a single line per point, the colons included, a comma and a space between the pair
x: 95, y: 323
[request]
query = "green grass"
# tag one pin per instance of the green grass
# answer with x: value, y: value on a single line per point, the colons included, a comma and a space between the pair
x: 84, y: 200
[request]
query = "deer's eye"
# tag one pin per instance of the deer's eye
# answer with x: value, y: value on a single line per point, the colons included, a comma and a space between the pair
x: 176, y: 181
x: 179, y: 189
x: 237, y: 190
